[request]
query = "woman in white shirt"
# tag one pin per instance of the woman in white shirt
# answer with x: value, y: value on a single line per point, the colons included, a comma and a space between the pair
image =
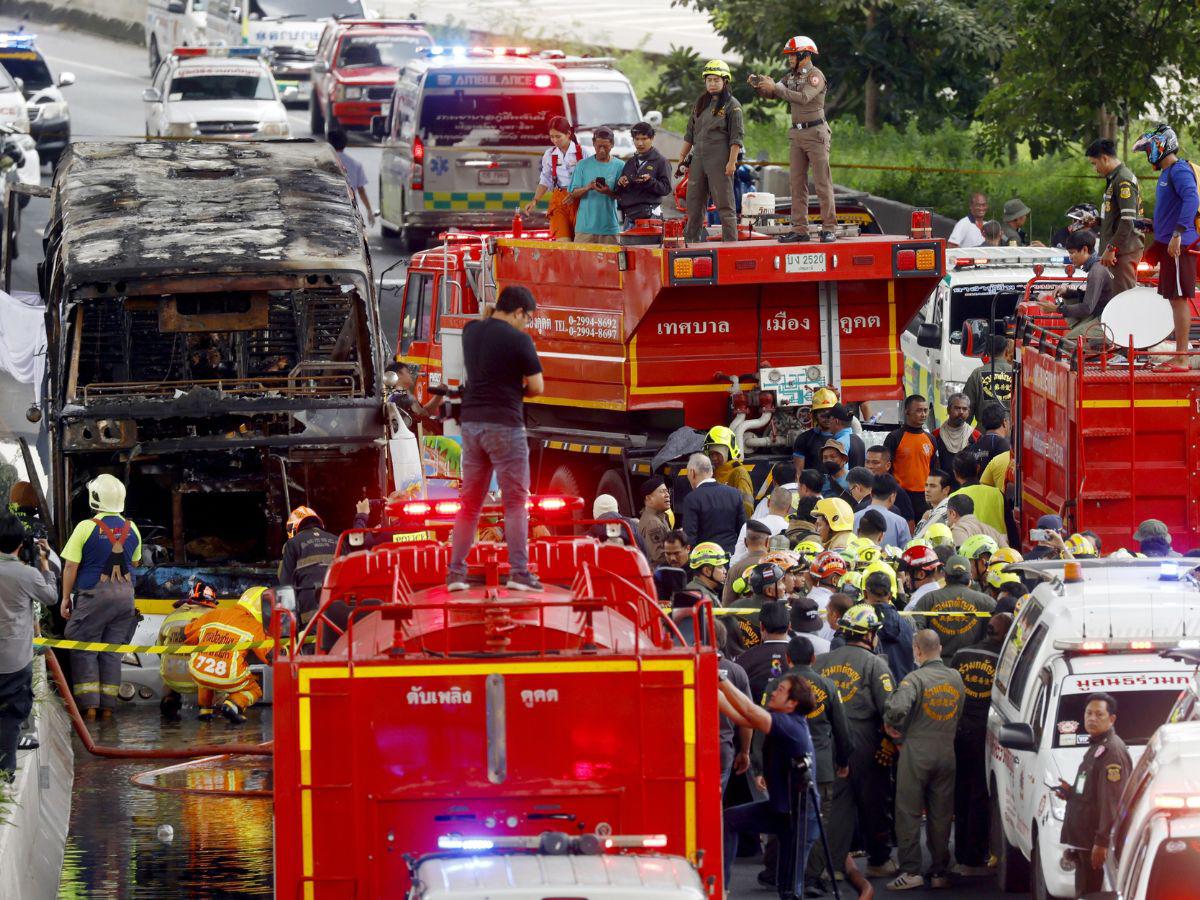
x: 558, y: 165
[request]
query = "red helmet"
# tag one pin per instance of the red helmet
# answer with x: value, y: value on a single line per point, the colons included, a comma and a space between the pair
x: 800, y: 44
x: 920, y: 557
x: 827, y: 564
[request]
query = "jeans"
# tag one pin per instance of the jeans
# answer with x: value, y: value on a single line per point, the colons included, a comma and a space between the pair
x: 503, y: 449
x: 762, y: 817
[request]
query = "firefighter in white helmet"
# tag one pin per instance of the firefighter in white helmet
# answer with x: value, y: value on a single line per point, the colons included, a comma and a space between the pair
x: 804, y: 89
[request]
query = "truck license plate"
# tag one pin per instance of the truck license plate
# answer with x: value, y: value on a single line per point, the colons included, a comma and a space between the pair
x: 804, y: 262
x: 493, y: 176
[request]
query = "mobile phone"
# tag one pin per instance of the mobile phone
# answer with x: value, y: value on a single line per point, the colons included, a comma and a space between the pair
x: 755, y: 79
x: 1037, y: 535
x: 600, y: 182
x: 722, y: 675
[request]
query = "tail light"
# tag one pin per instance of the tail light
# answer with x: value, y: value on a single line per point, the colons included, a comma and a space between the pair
x: 418, y: 169
x: 921, y: 224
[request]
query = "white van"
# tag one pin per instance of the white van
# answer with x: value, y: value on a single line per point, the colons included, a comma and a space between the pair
x: 463, y: 140
x: 290, y: 29
x: 171, y: 24
x: 1100, y: 633
x: 600, y: 94
x: 934, y: 365
x: 1155, y: 846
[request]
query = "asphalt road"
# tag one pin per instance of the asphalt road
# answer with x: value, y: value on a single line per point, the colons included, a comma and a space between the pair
x: 106, y: 103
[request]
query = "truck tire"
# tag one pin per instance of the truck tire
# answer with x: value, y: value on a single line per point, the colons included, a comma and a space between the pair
x: 1012, y: 873
x: 613, y: 482
x: 154, y: 56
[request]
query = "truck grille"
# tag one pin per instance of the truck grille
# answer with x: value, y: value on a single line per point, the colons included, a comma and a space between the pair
x: 379, y: 93
x: 293, y: 55
x: 228, y: 128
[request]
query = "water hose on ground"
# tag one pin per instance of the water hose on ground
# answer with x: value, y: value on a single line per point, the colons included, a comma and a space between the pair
x: 64, y: 691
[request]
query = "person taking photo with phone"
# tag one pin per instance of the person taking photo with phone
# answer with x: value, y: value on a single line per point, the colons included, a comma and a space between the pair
x: 594, y: 188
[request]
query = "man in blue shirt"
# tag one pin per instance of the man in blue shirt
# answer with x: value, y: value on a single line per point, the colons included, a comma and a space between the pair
x: 787, y: 741
x: 1175, y: 205
x: 594, y: 186
x: 883, y: 497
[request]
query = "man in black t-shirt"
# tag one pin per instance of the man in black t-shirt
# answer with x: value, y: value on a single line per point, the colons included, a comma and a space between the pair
x: 502, y: 369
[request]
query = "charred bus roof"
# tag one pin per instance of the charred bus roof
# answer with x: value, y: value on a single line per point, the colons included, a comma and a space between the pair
x: 158, y: 216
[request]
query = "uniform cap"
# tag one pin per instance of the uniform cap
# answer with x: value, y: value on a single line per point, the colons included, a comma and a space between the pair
x: 1050, y: 522
x: 1014, y: 209
x: 958, y: 565
x: 880, y: 582
x: 650, y: 485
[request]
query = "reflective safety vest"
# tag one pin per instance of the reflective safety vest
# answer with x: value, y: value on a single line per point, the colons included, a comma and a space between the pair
x: 223, y: 668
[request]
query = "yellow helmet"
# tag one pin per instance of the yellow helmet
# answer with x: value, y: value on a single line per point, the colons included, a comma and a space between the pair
x: 252, y: 602
x: 1006, y: 556
x: 859, y: 619
x: 978, y: 545
x: 824, y: 398
x: 1081, y: 546
x: 851, y: 579
x: 720, y: 436
x: 809, y: 547
x: 877, y: 567
x: 707, y: 554
x: 938, y: 534
x: 836, y: 512
x: 997, y: 577
x: 861, y: 552
x: 717, y: 67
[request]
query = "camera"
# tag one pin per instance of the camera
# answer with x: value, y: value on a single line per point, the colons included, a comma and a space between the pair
x: 755, y: 80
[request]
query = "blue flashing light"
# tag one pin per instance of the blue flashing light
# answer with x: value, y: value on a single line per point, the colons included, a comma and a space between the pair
x: 436, y: 51
x: 17, y: 40
x: 1169, y: 571
x: 252, y: 52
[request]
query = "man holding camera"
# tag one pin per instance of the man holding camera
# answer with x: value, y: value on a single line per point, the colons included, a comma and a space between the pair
x: 645, y: 179
x: 804, y: 88
x: 594, y: 187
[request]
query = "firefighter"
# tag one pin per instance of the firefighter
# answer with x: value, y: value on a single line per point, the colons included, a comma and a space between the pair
x: 711, y: 145
x: 227, y: 671
x: 804, y: 88
x: 723, y: 449
x: 922, y: 716
x: 978, y: 549
x: 98, y: 558
x: 707, y: 562
x: 835, y: 522
x: 825, y: 573
x: 864, y: 682
x: 955, y: 608
x: 766, y: 582
x: 306, y: 555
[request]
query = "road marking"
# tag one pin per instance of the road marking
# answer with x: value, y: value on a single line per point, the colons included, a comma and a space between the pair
x: 75, y: 64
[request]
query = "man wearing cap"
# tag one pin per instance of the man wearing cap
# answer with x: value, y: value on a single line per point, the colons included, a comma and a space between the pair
x: 779, y: 507
x: 954, y: 609
x: 804, y: 89
x: 1154, y: 539
x: 755, y: 536
x: 613, y: 527
x: 1044, y: 549
x: 1015, y: 214
x: 835, y: 469
x: 653, y: 526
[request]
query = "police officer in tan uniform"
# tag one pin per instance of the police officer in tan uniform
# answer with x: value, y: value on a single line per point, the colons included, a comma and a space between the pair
x: 804, y: 88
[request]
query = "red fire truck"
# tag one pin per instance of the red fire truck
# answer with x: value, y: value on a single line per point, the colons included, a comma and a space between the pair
x: 639, y: 341
x: 462, y: 722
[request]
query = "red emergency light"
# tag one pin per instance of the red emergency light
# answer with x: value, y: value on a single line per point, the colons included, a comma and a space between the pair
x: 424, y: 512
x: 182, y: 52
x: 418, y: 169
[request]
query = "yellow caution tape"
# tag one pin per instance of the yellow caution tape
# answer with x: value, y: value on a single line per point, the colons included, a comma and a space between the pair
x: 979, y: 613
x: 98, y: 647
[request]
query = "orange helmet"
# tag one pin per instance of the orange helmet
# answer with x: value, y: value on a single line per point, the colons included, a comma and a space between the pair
x: 298, y: 515
x: 800, y: 44
x: 828, y: 564
x: 203, y: 594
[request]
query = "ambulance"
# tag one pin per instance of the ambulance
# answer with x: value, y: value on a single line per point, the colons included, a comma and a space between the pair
x: 1089, y: 626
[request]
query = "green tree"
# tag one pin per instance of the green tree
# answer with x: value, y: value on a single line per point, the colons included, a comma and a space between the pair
x: 894, y: 61
x: 1079, y: 70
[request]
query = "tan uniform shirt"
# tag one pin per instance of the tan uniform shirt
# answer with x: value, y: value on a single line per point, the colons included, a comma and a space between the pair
x: 805, y: 91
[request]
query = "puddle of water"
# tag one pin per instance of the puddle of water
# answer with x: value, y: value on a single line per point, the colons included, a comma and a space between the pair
x: 219, y: 846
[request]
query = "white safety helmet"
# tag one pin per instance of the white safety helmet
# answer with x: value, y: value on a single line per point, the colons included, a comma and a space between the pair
x: 800, y: 44
x: 106, y: 494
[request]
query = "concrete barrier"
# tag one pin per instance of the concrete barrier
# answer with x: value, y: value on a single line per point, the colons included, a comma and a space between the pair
x: 122, y: 20
x: 34, y: 822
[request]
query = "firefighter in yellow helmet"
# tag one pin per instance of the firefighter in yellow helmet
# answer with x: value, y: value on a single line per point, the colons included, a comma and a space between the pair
x: 835, y: 523
x: 306, y: 555
x: 714, y: 137
x: 721, y: 446
x: 227, y: 672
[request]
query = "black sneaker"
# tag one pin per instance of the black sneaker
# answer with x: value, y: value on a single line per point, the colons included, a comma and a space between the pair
x: 828, y: 237
x: 233, y: 712
x: 28, y: 742
x: 792, y: 237
x: 205, y: 714
x: 524, y: 581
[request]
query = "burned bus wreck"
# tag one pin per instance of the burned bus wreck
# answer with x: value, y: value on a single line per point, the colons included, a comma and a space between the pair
x: 214, y: 342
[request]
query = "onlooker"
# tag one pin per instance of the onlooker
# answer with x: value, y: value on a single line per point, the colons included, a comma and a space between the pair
x: 356, y: 175
x: 21, y: 586
x: 997, y: 425
x: 806, y: 620
x: 840, y: 419
x: 592, y: 186
x: 923, y: 717
x: 612, y: 527
x: 968, y: 230
x: 954, y: 434
x: 1015, y: 215
x: 834, y: 465
x: 783, y: 474
x: 992, y: 381
x: 502, y: 370
x: 839, y: 604
x: 1081, y: 250
x: 860, y: 481
x: 557, y: 168
x: 872, y: 525
x: 1082, y: 306
x: 645, y: 179
x: 1120, y: 242
x: 1153, y: 538
x: 912, y: 450
x: 806, y: 449
x: 879, y: 461
x: 938, y: 487
x: 883, y: 498
x: 960, y: 516
x: 1047, y: 549
x: 993, y: 233
x: 400, y: 394
x: 1176, y: 201
x: 654, y: 526
x: 754, y: 539
x: 988, y: 502
x: 676, y: 548
x: 810, y: 483
x: 776, y: 519
x: 734, y: 759
x: 712, y: 511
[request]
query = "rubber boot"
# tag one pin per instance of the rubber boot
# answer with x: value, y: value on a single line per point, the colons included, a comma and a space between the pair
x: 205, y: 714
x: 232, y: 712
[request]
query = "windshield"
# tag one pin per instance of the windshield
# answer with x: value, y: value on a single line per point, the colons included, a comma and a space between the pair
x: 974, y: 301
x: 1175, y: 866
x: 487, y: 119
x: 601, y: 103
x: 28, y: 66
x: 1139, y: 712
x: 378, y: 50
x: 221, y: 87
x: 306, y: 9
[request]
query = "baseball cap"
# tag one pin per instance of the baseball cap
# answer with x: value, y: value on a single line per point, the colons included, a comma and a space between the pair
x: 806, y: 618
x: 958, y: 565
x: 758, y: 527
x: 1152, y: 528
x: 1053, y: 523
x: 605, y: 503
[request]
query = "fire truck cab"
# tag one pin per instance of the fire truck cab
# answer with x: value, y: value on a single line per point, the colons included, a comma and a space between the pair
x: 642, y: 342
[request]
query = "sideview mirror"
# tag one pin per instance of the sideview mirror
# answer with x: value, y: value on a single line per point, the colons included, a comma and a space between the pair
x: 66, y: 79
x: 976, y: 334
x: 319, y: 67
x: 151, y: 95
x: 654, y: 117
x: 1017, y: 736
x: 929, y: 335
x: 176, y: 6
x: 379, y: 127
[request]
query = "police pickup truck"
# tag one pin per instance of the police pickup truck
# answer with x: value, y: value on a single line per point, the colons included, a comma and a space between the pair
x: 1090, y: 626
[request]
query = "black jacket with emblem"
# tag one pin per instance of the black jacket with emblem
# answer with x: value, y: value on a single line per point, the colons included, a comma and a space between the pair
x: 305, y: 559
x: 976, y: 665
x: 955, y: 631
x: 1092, y: 805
